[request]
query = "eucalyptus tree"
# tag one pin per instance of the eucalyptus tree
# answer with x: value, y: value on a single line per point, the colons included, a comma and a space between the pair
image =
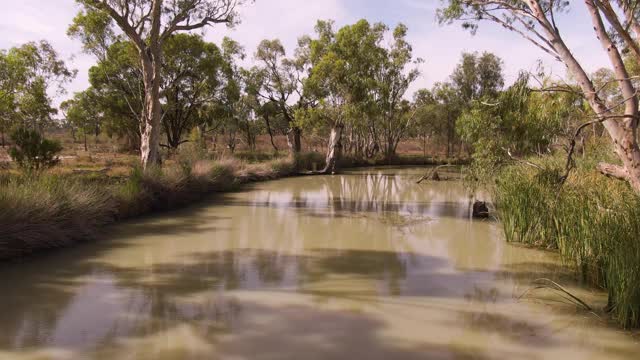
x: 265, y: 108
x: 6, y: 100
x: 148, y: 24
x: 282, y: 85
x: 28, y: 73
x: 192, y: 78
x: 9, y: 79
x: 512, y: 125
x: 536, y: 21
x: 83, y: 114
x: 268, y: 111
x: 478, y: 76
x: 232, y: 105
x: 425, y: 125
x: 392, y: 82
x: 117, y: 82
x: 449, y: 108
x: 342, y: 74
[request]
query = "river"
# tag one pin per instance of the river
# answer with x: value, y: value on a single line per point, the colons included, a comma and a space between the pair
x: 363, y: 265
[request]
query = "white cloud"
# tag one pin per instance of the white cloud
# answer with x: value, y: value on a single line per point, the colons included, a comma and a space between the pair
x: 286, y: 20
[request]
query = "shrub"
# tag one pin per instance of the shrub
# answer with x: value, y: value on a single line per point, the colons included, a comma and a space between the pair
x: 130, y: 195
x: 283, y: 167
x: 189, y: 154
x: 305, y: 161
x: 255, y: 157
x: 32, y: 152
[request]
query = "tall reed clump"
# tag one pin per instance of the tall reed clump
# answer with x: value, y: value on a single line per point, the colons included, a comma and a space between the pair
x: 523, y: 200
x: 593, y: 221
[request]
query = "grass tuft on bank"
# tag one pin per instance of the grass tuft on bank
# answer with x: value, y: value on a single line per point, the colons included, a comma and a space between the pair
x: 51, y: 210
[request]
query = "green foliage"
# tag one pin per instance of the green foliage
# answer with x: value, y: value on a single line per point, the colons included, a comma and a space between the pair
x: 32, y: 152
x: 358, y: 83
x: 476, y: 79
x: 27, y: 74
x: 149, y: 27
x: 233, y: 107
x: 117, y: 84
x: 343, y: 66
x: 94, y: 29
x: 392, y: 82
x: 272, y: 85
x: 593, y: 221
x: 517, y: 122
x: 83, y: 113
x: 198, y: 84
x: 472, y: 12
x: 478, y: 76
x: 192, y: 71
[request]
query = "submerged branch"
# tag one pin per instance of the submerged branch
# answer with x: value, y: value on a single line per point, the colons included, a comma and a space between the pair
x: 549, y: 284
x: 434, y: 173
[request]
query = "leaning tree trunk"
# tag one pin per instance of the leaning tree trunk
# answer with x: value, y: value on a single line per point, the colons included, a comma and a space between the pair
x: 622, y: 131
x: 621, y: 128
x: 297, y: 139
x: 334, y: 149
x: 150, y: 137
x: 626, y: 147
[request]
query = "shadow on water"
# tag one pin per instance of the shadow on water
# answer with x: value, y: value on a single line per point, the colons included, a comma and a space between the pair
x: 281, y: 332
x: 138, y: 302
x: 318, y: 334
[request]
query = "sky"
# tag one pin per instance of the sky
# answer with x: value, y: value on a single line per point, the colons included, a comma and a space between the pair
x: 439, y: 45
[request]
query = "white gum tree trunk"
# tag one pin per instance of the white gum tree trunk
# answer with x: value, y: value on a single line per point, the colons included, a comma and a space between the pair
x: 334, y: 149
x: 150, y: 134
x: 621, y: 128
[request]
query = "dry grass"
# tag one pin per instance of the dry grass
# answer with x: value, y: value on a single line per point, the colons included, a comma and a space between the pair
x: 57, y: 210
x: 50, y: 212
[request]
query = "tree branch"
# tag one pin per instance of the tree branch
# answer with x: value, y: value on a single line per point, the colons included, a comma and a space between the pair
x: 613, y: 171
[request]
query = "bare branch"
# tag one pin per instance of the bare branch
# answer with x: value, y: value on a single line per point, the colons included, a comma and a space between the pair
x: 614, y: 171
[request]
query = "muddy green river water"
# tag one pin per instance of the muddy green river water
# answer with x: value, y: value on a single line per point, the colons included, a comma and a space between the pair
x: 363, y: 265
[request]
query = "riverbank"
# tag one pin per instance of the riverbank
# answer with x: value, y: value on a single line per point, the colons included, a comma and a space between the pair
x: 58, y: 210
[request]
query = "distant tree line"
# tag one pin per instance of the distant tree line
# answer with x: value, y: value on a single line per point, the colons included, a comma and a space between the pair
x: 156, y: 85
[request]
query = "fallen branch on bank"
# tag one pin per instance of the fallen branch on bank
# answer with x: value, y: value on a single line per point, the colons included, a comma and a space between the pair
x: 433, y: 174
